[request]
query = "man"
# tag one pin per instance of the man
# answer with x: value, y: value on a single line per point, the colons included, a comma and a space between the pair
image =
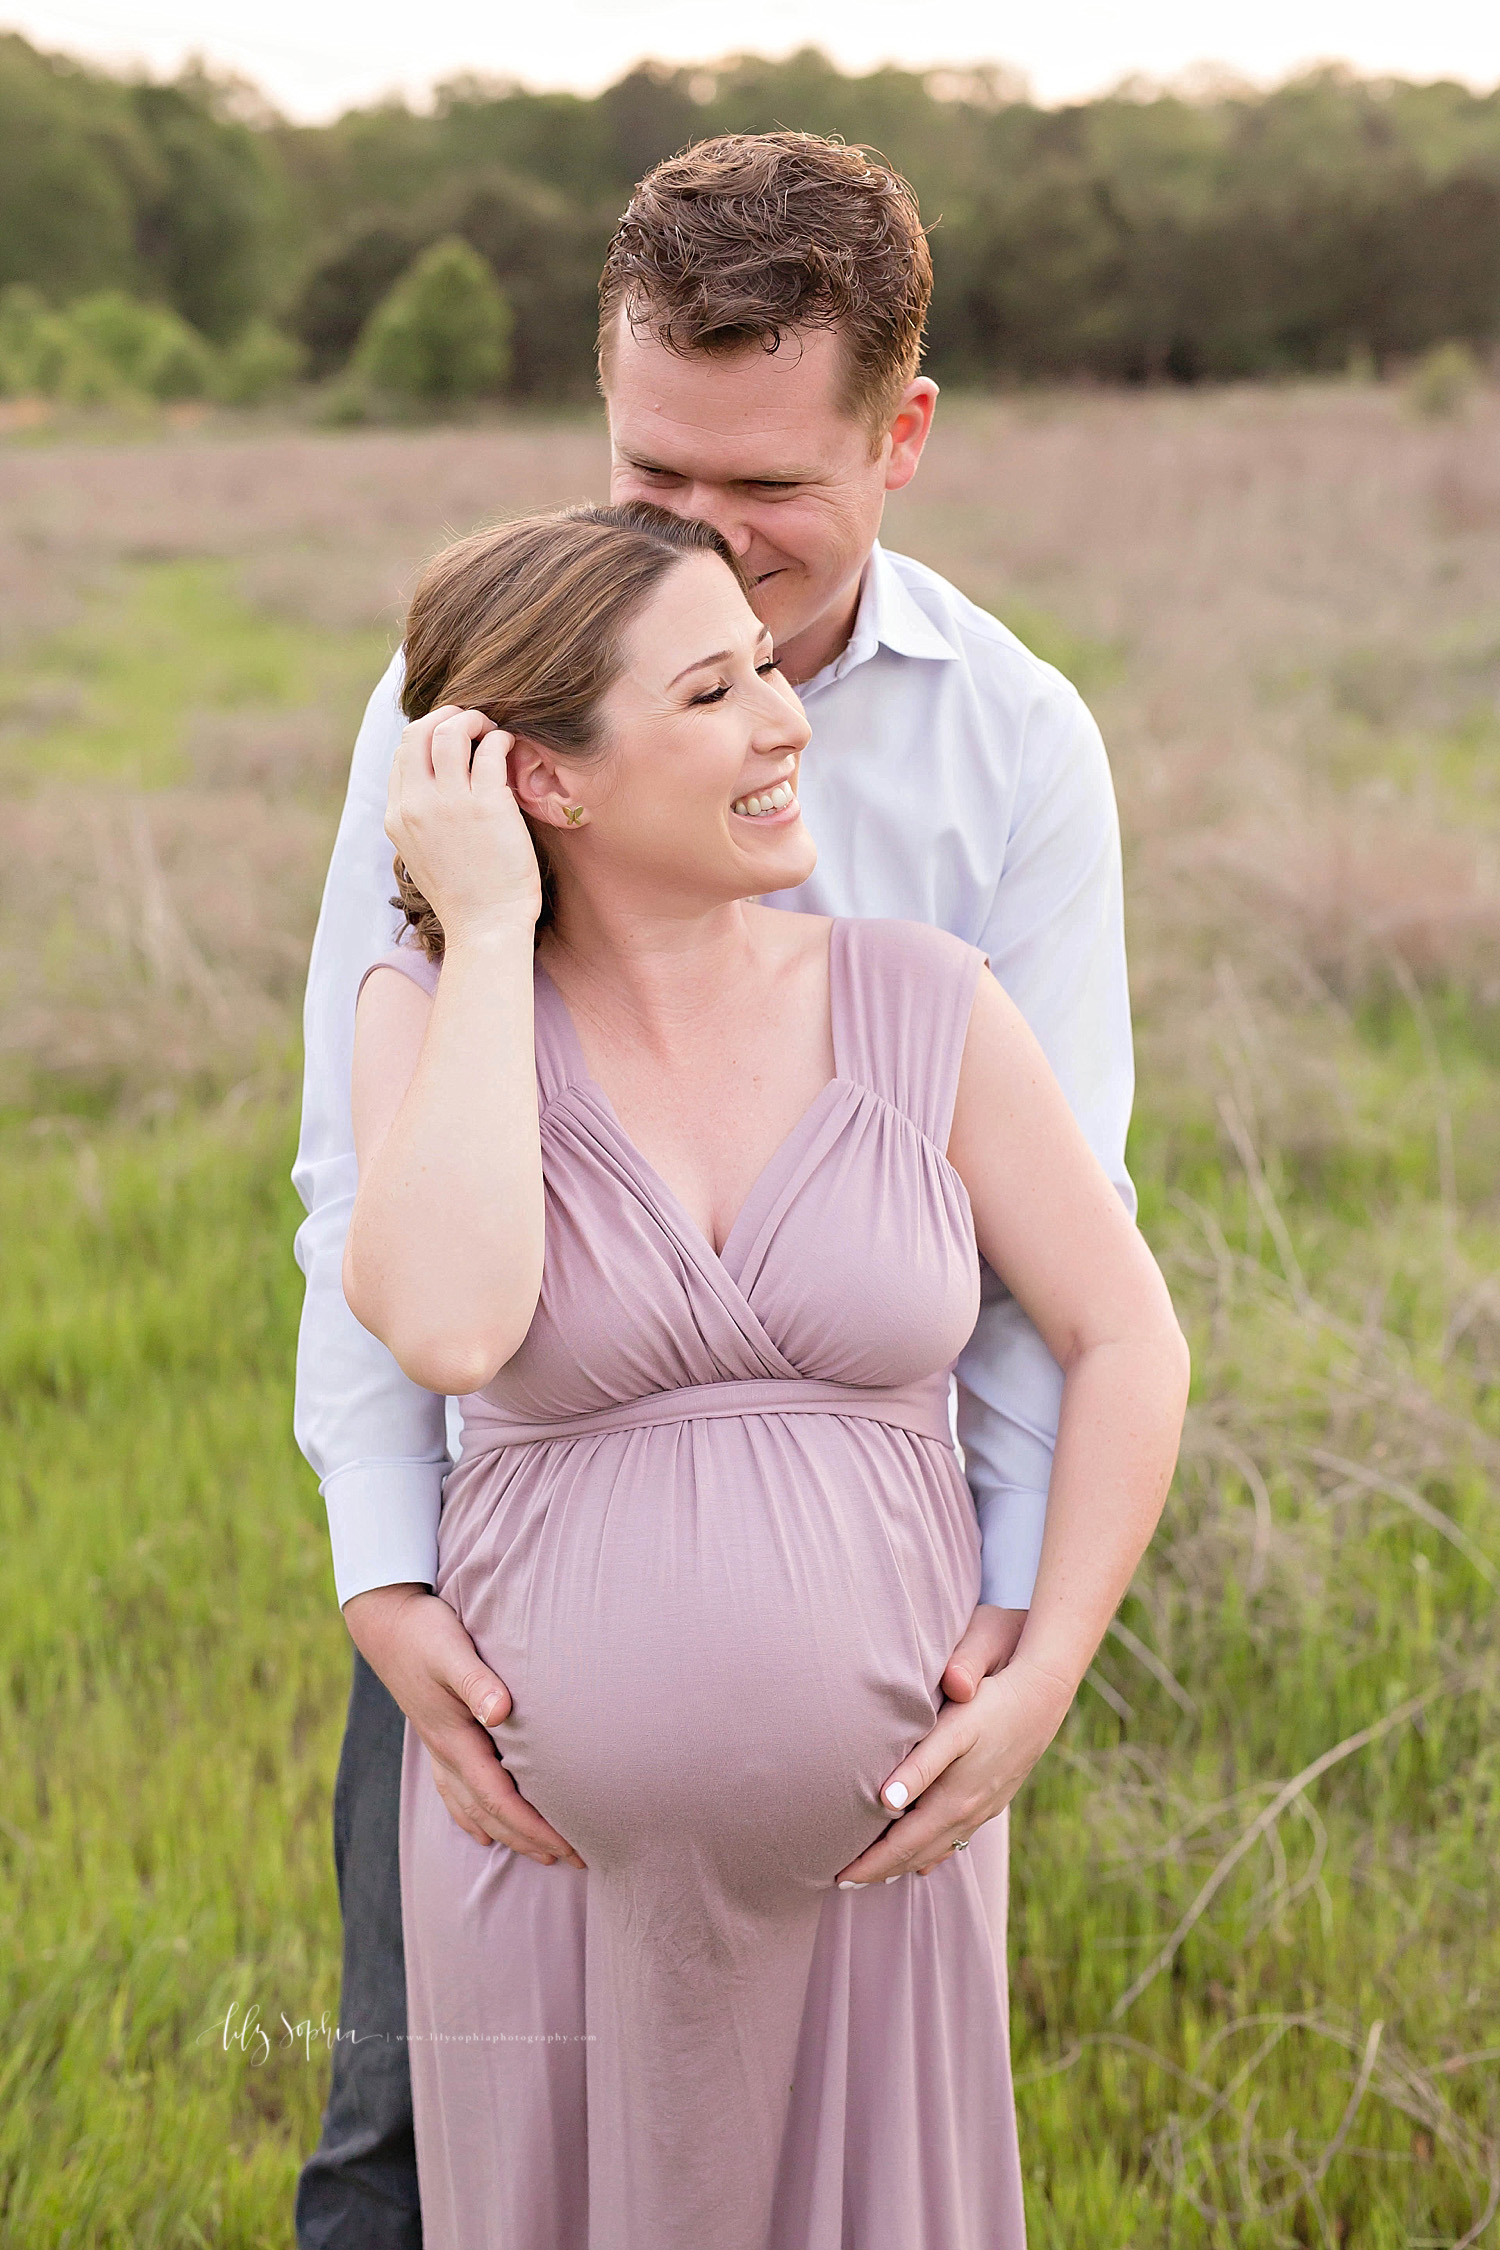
x: 761, y: 314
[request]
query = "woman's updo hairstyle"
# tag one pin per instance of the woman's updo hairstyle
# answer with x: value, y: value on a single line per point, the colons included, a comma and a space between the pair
x: 526, y: 622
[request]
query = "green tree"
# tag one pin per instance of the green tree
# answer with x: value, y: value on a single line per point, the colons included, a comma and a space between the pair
x: 342, y: 290
x: 74, y: 166
x: 543, y: 250
x: 207, y: 230
x: 443, y: 333
x: 161, y: 190
x: 546, y: 254
x: 1210, y: 233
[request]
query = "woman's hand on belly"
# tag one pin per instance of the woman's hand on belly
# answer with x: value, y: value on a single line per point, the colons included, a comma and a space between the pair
x: 964, y: 1772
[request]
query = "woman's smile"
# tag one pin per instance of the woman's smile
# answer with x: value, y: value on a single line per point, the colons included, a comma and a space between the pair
x: 780, y: 801
x: 774, y: 803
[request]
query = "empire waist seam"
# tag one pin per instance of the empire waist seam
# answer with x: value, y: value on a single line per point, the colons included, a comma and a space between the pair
x: 921, y: 1408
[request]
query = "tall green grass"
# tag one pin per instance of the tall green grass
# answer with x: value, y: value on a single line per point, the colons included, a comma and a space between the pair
x: 1256, y: 1915
x: 174, y: 1678
x: 162, y: 647
x: 176, y: 1675
x: 1310, y: 2053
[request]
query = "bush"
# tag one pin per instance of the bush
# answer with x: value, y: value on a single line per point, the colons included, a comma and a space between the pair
x: 1442, y: 381
x: 544, y: 253
x: 42, y: 354
x: 28, y: 341
x: 150, y: 348
x: 443, y: 332
x: 546, y: 257
x: 339, y: 295
x: 109, y: 348
x: 260, y: 362
x: 347, y: 404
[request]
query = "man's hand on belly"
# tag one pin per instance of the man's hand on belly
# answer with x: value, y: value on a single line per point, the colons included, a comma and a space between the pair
x: 970, y: 1766
x: 415, y: 1644
x: 989, y: 1641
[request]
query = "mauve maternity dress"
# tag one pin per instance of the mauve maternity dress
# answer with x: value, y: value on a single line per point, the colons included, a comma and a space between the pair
x: 710, y: 1529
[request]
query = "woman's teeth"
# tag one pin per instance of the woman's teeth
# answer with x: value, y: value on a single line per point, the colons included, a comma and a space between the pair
x: 772, y: 801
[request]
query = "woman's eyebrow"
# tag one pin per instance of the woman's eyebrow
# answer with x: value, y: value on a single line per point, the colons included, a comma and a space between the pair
x: 720, y: 656
x: 701, y: 664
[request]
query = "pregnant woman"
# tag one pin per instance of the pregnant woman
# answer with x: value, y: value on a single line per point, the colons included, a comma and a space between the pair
x: 685, y: 1197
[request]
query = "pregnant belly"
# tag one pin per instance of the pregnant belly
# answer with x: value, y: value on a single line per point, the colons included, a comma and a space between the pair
x: 719, y: 1637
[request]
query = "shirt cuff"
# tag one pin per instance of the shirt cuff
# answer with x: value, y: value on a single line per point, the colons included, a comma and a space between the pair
x: 383, y: 1524
x: 1012, y: 1519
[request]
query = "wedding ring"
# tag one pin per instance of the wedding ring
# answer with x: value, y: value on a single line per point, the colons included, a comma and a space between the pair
x: 960, y: 1843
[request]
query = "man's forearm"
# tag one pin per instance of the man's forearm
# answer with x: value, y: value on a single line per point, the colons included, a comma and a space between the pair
x: 377, y: 1442
x: 1009, y: 1395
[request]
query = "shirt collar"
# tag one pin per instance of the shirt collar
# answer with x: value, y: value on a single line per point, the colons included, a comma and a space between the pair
x: 887, y: 617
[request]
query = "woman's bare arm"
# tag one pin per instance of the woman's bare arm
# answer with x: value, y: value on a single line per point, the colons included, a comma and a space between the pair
x: 444, y: 1258
x: 1052, y: 1227
x: 1055, y: 1231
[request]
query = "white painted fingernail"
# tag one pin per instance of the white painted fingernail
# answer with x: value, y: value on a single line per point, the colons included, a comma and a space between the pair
x: 896, y: 1795
x: 893, y: 1878
x: 851, y: 1886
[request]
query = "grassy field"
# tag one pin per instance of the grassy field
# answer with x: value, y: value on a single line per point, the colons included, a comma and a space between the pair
x: 1256, y: 1951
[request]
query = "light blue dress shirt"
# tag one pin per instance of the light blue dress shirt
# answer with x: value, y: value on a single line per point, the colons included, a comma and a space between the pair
x: 952, y: 778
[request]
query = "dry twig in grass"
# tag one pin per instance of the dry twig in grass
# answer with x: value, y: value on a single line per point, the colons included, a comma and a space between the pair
x: 1265, y: 1822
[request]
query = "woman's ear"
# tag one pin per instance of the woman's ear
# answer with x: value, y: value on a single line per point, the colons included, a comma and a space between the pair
x: 539, y: 786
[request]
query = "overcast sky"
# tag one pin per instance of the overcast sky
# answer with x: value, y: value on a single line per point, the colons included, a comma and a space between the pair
x: 314, y: 60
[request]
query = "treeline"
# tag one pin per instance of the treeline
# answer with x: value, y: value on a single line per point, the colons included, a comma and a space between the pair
x: 1135, y: 238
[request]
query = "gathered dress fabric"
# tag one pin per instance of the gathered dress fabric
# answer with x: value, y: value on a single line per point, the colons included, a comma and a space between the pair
x: 710, y: 1528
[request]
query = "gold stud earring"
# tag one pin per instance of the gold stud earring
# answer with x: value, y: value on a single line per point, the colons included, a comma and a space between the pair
x: 574, y: 813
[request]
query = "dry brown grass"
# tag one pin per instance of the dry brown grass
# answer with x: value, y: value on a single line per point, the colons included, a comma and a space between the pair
x: 331, y: 527
x: 1295, y: 586
x: 1264, y: 593
x: 154, y: 940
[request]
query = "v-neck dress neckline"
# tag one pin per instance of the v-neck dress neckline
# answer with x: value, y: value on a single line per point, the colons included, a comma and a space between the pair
x: 782, y: 1166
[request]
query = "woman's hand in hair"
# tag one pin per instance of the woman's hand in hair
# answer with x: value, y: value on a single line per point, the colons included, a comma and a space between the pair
x: 455, y: 822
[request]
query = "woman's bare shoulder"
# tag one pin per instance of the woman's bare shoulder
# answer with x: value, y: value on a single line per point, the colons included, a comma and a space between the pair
x: 412, y: 964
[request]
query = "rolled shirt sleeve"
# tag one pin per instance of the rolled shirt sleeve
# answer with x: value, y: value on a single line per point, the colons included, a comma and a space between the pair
x: 376, y: 1441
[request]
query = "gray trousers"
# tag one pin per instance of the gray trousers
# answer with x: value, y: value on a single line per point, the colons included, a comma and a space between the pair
x: 358, y: 2189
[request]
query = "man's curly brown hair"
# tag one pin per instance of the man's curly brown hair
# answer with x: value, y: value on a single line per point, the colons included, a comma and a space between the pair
x: 744, y: 238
